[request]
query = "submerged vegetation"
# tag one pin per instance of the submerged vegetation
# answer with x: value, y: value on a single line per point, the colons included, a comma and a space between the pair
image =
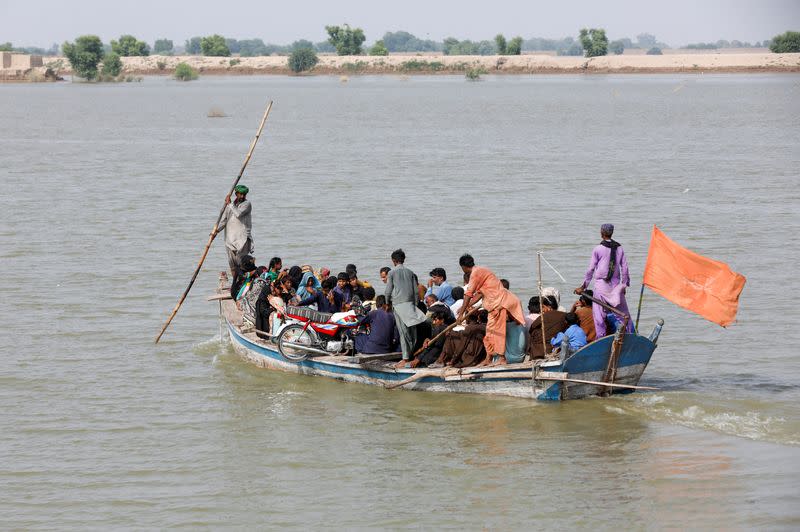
x: 474, y: 74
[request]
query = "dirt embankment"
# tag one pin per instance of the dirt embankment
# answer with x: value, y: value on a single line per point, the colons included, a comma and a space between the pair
x: 448, y: 64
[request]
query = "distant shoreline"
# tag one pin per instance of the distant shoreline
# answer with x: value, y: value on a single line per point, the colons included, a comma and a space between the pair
x: 448, y: 64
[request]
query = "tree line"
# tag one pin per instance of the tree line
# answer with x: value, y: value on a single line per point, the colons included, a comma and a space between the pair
x: 88, y: 52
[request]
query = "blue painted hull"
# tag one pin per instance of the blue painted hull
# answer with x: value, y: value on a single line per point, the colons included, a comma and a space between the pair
x: 514, y: 380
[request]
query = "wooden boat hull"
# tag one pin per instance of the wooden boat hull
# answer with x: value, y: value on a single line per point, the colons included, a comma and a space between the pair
x: 515, y: 380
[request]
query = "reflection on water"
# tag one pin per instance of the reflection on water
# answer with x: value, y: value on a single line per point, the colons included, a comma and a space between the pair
x: 102, y: 428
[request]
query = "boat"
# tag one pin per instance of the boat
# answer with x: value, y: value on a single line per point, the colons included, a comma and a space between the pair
x: 610, y: 365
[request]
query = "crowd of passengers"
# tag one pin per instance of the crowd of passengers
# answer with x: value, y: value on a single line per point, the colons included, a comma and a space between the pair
x: 256, y: 289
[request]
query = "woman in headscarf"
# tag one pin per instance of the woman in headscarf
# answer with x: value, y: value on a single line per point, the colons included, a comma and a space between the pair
x: 308, y: 281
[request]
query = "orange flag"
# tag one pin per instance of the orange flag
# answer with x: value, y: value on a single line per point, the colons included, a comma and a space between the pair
x: 704, y: 286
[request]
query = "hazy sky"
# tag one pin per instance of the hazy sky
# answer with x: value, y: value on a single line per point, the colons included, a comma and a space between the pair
x: 676, y: 22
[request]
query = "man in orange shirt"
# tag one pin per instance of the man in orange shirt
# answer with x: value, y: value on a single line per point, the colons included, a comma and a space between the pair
x: 501, y: 304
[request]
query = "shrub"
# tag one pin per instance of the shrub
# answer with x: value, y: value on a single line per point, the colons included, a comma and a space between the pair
x: 418, y: 66
x: 786, y: 43
x: 234, y: 62
x: 163, y: 47
x: 184, y: 72
x: 378, y: 49
x: 84, y: 55
x: 302, y: 59
x: 129, y: 46
x: 214, y: 46
x: 514, y: 46
x: 345, y: 39
x: 594, y: 42
x: 474, y: 74
x: 616, y: 47
x: 112, y: 65
x: 654, y: 51
x: 161, y: 65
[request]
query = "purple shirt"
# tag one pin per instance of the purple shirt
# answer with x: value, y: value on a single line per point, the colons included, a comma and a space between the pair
x: 598, y: 267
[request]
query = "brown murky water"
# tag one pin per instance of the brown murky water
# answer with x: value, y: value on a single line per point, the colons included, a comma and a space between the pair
x: 110, y: 190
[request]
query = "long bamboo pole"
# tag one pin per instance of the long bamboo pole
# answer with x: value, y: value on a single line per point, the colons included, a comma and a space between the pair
x: 213, y: 233
x: 639, y: 309
x: 541, y: 303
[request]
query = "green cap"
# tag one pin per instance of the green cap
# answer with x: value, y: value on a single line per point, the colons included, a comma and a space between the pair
x: 241, y: 189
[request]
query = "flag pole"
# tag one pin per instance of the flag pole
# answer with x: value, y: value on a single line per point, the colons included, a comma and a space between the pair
x: 639, y: 310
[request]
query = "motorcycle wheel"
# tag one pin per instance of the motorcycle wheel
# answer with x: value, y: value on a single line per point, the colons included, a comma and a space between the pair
x: 295, y: 334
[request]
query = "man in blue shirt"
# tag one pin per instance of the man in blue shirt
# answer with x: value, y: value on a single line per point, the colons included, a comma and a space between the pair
x: 383, y: 336
x: 574, y: 335
x: 438, y: 286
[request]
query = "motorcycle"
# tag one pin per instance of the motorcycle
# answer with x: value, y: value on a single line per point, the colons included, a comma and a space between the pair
x: 312, y: 333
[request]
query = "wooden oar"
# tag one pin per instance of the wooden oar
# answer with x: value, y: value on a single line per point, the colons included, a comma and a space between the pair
x: 216, y: 224
x: 449, y: 328
x: 417, y: 376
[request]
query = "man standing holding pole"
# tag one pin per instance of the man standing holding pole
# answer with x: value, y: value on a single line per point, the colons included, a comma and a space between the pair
x: 402, y: 295
x: 238, y: 225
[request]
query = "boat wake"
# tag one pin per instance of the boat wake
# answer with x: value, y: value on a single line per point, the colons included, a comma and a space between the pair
x: 727, y: 416
x: 215, y: 347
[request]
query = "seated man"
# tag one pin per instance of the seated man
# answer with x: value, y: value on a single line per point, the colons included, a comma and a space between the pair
x: 534, y: 311
x: 433, y: 304
x: 384, y: 273
x: 327, y: 300
x: 343, y: 287
x: 369, y: 301
x: 432, y: 348
x: 574, y: 335
x: 351, y: 270
x: 516, y: 342
x: 438, y: 286
x: 554, y: 323
x: 356, y: 290
x: 583, y: 308
x: 465, y: 348
x: 383, y: 336
x: 458, y: 296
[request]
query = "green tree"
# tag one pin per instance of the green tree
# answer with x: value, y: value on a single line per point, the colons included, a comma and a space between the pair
x: 786, y: 43
x: 378, y: 49
x: 616, y: 47
x: 184, y: 72
x: 655, y: 50
x: 112, y: 65
x: 129, y: 46
x: 6, y: 47
x: 193, y: 46
x: 163, y: 47
x: 302, y: 59
x: 514, y: 46
x: 84, y: 55
x: 594, y: 42
x: 345, y: 39
x: 500, y: 43
x: 233, y: 45
x: 252, y: 48
x: 214, y: 46
x: 646, y: 40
